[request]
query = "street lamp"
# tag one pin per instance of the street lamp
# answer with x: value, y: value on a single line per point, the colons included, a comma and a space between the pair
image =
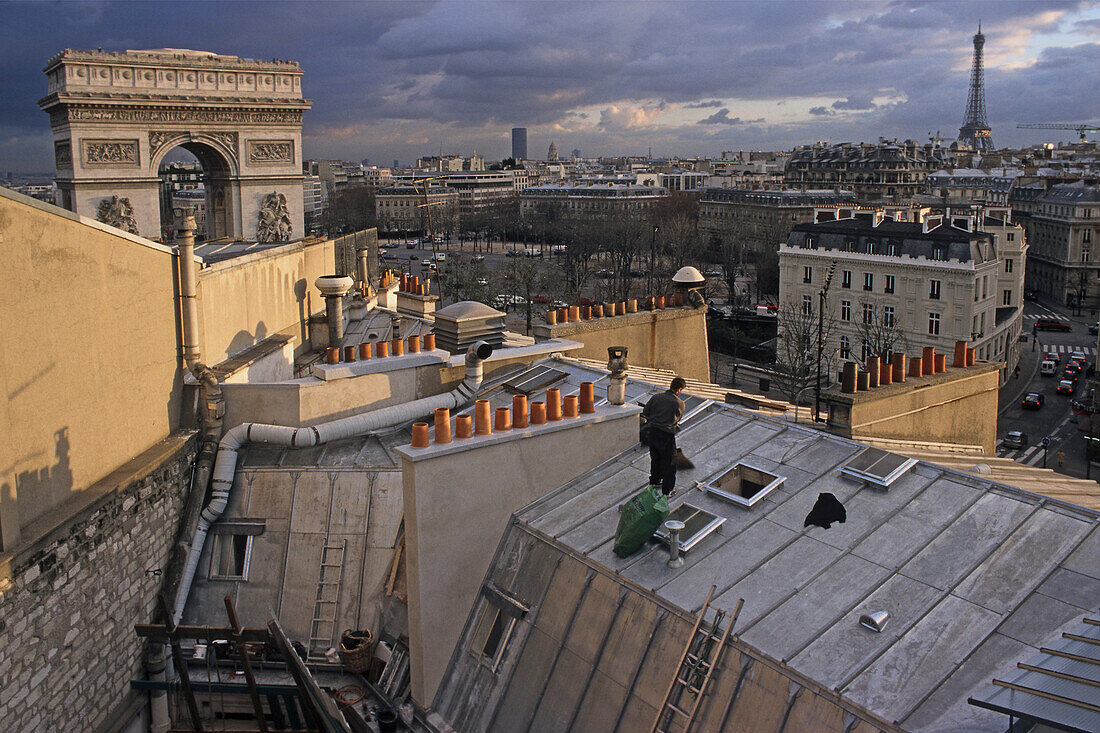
x: 820, y: 338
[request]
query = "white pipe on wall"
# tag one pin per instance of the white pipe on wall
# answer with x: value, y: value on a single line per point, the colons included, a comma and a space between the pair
x: 225, y: 467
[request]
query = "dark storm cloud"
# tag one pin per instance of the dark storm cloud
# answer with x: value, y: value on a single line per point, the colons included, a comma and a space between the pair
x: 389, y: 79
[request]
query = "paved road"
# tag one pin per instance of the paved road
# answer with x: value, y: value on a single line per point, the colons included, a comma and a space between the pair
x: 1054, y: 420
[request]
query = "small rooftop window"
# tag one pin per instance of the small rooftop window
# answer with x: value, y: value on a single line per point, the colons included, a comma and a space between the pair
x: 698, y: 524
x: 878, y: 467
x: 744, y: 485
x: 534, y: 379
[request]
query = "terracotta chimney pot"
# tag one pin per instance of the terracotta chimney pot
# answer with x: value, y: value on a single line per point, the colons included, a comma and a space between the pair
x: 553, y: 404
x: 915, y: 367
x: 588, y: 398
x: 872, y: 371
x: 863, y: 381
x: 597, y: 310
x: 538, y: 413
x: 482, y: 424
x: 397, y: 347
x: 429, y: 342
x: 464, y: 426
x: 848, y: 380
x: 899, y: 367
x: 519, y: 411
x: 364, y: 350
x: 941, y: 363
x: 414, y: 344
x: 503, y: 419
x: 574, y: 313
x: 420, y: 435
x: 382, y: 349
x: 442, y: 425
x: 571, y: 406
x: 551, y: 317
x: 332, y: 354
x: 928, y: 361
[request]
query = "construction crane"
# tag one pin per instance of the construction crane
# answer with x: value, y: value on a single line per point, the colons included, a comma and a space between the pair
x: 1081, y: 129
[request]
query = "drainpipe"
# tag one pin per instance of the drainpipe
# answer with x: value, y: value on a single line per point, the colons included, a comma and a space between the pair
x: 225, y: 466
x: 213, y: 407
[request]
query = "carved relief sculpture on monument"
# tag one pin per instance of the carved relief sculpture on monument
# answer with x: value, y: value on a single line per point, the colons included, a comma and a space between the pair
x: 117, y: 212
x: 274, y: 220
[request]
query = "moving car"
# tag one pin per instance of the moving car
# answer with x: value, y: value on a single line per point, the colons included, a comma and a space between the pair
x: 1053, y: 356
x: 440, y: 256
x: 1065, y: 387
x: 1094, y: 328
x: 1015, y: 439
x: 1052, y: 324
x: 1032, y: 401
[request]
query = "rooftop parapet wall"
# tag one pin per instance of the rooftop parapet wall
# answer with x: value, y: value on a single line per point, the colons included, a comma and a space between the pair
x: 673, y: 338
x: 458, y: 498
x: 956, y: 405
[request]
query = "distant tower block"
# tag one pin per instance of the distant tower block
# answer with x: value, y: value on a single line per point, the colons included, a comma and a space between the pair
x: 115, y: 116
x: 552, y: 153
x: 519, y: 143
x: 975, y: 131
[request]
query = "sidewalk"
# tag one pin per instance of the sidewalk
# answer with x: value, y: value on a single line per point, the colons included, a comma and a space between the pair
x: 1015, y: 388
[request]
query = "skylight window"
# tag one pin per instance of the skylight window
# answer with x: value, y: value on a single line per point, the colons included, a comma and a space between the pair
x: 877, y: 467
x: 744, y: 485
x: 534, y: 379
x: 698, y: 524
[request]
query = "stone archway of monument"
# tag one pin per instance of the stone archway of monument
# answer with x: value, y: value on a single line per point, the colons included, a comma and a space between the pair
x: 219, y: 176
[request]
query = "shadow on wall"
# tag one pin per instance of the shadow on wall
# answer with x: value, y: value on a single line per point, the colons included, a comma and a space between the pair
x: 40, y: 490
x: 301, y: 294
x: 244, y: 339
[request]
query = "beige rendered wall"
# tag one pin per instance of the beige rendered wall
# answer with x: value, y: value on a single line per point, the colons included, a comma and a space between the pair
x: 674, y: 339
x: 246, y: 299
x: 958, y: 406
x: 458, y: 499
x: 88, y: 355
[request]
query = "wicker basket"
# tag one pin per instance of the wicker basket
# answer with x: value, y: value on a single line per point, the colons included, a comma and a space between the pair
x: 356, y: 648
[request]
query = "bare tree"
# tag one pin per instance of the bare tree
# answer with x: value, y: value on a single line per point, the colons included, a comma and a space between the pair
x: 797, y: 346
x: 882, y: 333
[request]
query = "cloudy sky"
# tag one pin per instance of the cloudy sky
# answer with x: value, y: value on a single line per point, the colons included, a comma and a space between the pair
x: 394, y: 80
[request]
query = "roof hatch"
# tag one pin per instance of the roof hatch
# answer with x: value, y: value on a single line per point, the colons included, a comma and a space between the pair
x: 744, y: 485
x: 878, y: 467
x: 534, y: 379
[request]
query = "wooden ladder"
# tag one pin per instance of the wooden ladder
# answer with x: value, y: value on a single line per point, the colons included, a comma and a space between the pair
x: 326, y: 608
x: 701, y: 655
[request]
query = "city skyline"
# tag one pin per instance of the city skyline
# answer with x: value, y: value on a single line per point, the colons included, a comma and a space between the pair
x: 401, y: 80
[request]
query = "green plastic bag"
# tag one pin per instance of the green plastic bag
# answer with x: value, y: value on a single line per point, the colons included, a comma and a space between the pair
x: 641, y: 517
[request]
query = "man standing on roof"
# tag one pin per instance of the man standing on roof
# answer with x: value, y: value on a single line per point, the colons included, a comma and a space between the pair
x: 661, y: 415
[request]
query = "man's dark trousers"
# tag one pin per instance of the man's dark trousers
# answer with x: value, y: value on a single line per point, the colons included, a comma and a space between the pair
x: 662, y: 450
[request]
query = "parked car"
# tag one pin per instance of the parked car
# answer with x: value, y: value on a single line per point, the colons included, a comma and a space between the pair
x: 1032, y: 401
x: 440, y: 256
x: 439, y: 239
x: 426, y: 263
x: 532, y: 252
x: 1094, y: 328
x: 411, y: 244
x: 1048, y: 368
x: 1065, y: 387
x: 1015, y: 439
x: 604, y: 273
x: 1052, y: 324
x: 513, y: 253
x: 479, y: 258
x: 382, y: 251
x: 1031, y: 295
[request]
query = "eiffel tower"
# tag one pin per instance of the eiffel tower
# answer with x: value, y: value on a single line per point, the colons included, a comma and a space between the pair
x: 975, y: 131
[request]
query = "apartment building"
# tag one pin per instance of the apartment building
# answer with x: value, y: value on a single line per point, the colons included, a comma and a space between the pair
x: 1062, y: 225
x: 400, y: 208
x: 760, y: 219
x: 898, y: 285
x: 885, y: 171
x: 592, y: 200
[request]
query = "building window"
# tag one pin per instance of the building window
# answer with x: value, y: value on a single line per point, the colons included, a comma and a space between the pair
x: 934, y: 289
x: 865, y: 351
x: 845, y: 348
x: 938, y: 253
x: 807, y: 274
x: 1008, y: 265
x: 846, y: 279
x: 494, y: 629
x: 888, y: 318
x: 1085, y: 254
x: 230, y: 556
x: 889, y: 284
x: 868, y: 281
x: 1010, y: 236
x: 933, y: 324
x: 807, y: 305
x: 1086, y: 236
x: 845, y: 310
x: 892, y: 249
x: 1007, y: 299
x: 868, y: 313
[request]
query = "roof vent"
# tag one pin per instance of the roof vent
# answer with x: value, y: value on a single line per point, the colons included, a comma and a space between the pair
x: 534, y: 379
x: 878, y: 467
x: 875, y: 621
x: 461, y: 325
x: 744, y: 485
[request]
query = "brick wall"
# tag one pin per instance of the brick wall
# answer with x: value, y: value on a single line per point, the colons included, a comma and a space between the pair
x: 69, y: 602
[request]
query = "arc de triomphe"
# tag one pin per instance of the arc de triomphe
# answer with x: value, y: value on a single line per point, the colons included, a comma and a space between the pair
x: 115, y: 116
